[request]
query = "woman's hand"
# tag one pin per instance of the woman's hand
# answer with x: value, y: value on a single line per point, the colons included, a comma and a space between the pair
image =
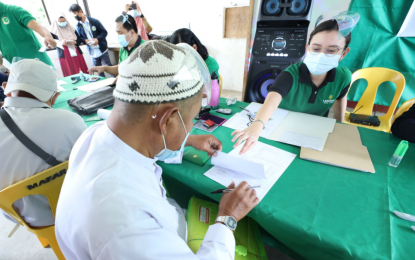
x: 63, y: 42
x: 250, y: 135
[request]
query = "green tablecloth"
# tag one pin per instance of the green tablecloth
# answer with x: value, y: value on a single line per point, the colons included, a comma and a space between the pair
x: 318, y: 211
x: 71, y: 92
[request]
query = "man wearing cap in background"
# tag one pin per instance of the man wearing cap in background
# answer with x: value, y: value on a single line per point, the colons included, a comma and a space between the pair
x: 33, y: 88
x: 114, y: 181
x: 16, y: 35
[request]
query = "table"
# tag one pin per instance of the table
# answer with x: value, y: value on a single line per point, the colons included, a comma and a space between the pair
x: 317, y: 211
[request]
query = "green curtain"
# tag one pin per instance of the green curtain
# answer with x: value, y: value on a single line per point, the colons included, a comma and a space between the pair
x: 374, y: 44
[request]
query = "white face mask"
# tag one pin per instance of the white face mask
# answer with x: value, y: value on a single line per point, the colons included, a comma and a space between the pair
x: 318, y: 64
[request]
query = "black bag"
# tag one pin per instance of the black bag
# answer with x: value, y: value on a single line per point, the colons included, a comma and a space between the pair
x: 91, y: 102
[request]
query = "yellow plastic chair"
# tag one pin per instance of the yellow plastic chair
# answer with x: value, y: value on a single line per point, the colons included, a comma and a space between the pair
x: 47, y: 183
x: 405, y: 107
x: 220, y: 85
x: 375, y: 77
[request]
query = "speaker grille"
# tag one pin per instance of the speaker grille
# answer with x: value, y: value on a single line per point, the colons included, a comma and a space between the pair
x: 298, y: 7
x: 271, y: 7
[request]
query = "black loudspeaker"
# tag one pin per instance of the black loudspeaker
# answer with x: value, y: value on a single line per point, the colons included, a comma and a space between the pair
x: 280, y: 41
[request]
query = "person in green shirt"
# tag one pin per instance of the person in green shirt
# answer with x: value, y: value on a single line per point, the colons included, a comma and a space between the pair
x: 312, y: 86
x: 129, y: 40
x: 17, y: 38
x: 187, y: 36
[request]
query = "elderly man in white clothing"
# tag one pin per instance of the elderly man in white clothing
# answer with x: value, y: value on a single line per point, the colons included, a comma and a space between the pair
x: 33, y: 89
x: 113, y: 204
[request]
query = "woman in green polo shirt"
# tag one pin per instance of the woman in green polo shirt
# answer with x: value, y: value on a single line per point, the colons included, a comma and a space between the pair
x: 129, y: 40
x: 187, y: 36
x: 312, y: 86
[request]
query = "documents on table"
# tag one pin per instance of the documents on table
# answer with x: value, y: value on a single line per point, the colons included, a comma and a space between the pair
x: 289, y: 127
x: 262, y: 165
x: 343, y: 149
x: 241, y: 120
x: 60, y: 83
x: 304, y: 130
x: 97, y: 85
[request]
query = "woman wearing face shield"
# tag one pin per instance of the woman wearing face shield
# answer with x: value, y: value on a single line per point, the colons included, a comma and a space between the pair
x: 312, y: 86
x: 128, y: 38
x: 70, y: 57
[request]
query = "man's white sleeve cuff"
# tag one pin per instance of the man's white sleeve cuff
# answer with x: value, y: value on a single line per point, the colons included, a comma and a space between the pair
x: 219, y: 233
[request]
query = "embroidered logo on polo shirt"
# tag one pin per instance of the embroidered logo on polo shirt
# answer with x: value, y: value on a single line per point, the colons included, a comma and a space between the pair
x: 5, y: 20
x: 329, y: 101
x: 94, y: 28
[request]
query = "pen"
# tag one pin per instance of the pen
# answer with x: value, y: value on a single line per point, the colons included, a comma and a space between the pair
x: 228, y: 190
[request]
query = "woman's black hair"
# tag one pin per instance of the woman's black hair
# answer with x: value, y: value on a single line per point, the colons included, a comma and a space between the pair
x: 187, y: 36
x: 129, y: 24
x: 328, y: 26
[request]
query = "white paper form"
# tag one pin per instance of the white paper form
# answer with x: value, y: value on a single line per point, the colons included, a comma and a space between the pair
x: 240, y: 120
x: 238, y: 164
x: 60, y: 83
x: 304, y: 130
x: 274, y: 160
x: 97, y: 85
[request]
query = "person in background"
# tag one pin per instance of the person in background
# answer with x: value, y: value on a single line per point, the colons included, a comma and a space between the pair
x: 70, y: 58
x: 404, y: 126
x: 33, y: 88
x: 143, y: 26
x: 17, y: 38
x: 312, y: 86
x: 129, y: 40
x: 4, y: 75
x: 187, y: 36
x: 93, y: 33
x: 114, y: 181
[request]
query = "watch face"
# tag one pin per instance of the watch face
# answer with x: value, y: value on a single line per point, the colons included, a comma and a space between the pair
x: 231, y: 223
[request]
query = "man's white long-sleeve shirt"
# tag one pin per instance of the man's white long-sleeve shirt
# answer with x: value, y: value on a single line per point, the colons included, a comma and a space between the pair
x: 113, y: 206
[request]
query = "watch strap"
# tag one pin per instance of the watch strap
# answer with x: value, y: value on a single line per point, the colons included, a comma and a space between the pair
x: 224, y: 220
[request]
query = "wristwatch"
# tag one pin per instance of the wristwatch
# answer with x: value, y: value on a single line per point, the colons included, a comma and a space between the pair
x: 228, y: 221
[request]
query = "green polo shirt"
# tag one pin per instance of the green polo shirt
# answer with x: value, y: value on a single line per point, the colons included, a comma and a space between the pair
x: 124, y: 52
x: 212, y: 65
x: 300, y: 94
x: 16, y: 39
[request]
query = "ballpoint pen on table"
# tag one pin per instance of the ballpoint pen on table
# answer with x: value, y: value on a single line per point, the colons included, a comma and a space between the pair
x: 228, y: 190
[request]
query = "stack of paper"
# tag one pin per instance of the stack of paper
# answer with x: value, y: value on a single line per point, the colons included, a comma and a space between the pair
x: 304, y: 130
x: 60, y: 83
x: 343, y: 149
x: 289, y: 127
x: 97, y: 85
x: 262, y: 165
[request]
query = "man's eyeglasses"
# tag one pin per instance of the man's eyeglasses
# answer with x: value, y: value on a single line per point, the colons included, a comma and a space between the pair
x: 329, y: 52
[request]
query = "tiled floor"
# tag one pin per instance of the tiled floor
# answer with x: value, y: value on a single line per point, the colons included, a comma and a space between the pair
x: 23, y: 245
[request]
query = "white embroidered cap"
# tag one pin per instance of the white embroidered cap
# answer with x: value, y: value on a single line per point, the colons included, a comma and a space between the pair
x: 159, y: 72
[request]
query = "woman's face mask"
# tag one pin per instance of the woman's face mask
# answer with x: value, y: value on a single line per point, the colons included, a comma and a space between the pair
x: 62, y: 24
x: 319, y: 63
x: 169, y: 156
